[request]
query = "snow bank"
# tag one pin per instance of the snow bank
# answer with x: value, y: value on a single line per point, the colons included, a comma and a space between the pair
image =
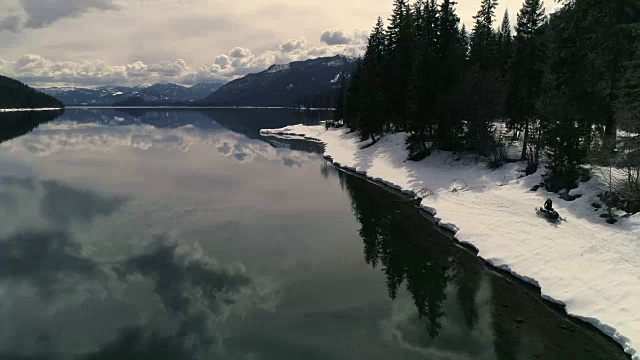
x: 40, y: 109
x: 585, y: 264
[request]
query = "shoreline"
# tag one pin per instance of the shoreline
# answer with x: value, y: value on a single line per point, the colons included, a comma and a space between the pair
x: 29, y: 109
x: 185, y: 107
x: 532, y: 289
x: 548, y: 258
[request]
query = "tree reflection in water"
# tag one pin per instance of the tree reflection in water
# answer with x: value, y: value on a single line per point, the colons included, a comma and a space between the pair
x: 18, y: 123
x: 392, y: 240
x: 461, y: 304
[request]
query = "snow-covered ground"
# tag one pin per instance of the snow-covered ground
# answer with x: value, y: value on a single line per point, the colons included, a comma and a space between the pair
x: 589, y: 266
x: 40, y: 109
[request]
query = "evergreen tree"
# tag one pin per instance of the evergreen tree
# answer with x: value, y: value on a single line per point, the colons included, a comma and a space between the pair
x: 14, y: 94
x: 527, y: 70
x: 451, y: 56
x: 627, y: 106
x: 371, y: 94
x: 556, y: 80
x: 483, y: 93
x: 419, y: 20
x: 400, y: 43
x: 484, y: 40
x: 610, y: 24
x: 352, y: 105
x: 421, y: 95
x: 505, y: 45
x: 565, y: 127
x: 342, y: 94
x: 466, y: 41
x: 627, y: 110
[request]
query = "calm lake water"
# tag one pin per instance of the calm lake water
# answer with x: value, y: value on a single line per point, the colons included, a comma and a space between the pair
x: 159, y: 234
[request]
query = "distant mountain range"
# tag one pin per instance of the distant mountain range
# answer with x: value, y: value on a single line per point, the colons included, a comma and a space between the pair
x: 310, y: 83
x: 15, y: 95
x: 157, y: 94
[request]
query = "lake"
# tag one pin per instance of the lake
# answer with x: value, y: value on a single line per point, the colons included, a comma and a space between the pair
x: 181, y: 234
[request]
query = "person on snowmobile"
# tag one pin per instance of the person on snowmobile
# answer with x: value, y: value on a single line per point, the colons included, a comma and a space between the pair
x: 548, y: 205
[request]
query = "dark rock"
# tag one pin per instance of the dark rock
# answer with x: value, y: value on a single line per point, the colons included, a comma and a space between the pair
x: 567, y: 197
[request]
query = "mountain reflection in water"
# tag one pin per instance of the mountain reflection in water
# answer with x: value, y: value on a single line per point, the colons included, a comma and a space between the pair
x: 161, y: 234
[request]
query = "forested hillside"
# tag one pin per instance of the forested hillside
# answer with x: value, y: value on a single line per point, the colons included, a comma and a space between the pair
x: 565, y: 83
x: 16, y: 95
x: 310, y: 83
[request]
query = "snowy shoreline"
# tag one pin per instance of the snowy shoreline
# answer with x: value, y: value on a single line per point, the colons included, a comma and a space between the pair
x: 586, y: 265
x: 20, y: 110
x: 198, y: 107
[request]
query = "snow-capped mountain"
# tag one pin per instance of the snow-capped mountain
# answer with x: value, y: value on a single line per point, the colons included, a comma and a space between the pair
x: 109, y: 95
x: 311, y: 83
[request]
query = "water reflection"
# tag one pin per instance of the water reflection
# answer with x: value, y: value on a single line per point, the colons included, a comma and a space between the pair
x: 168, y: 301
x: 164, y: 235
x: 459, y: 309
x: 14, y: 124
x: 247, y: 122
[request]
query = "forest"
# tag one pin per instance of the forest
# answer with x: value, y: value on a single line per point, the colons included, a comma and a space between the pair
x: 566, y: 84
x: 16, y: 95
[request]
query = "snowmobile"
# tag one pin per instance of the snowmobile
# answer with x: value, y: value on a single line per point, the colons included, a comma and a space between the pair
x: 550, y: 215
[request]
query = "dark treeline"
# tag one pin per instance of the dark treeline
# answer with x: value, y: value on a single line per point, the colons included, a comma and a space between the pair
x: 563, y: 83
x: 18, y: 123
x: 16, y: 95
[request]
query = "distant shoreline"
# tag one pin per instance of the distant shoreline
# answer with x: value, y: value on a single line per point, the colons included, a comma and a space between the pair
x: 196, y: 107
x: 27, y: 109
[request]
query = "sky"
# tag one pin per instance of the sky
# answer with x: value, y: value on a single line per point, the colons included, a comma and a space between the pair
x: 129, y: 42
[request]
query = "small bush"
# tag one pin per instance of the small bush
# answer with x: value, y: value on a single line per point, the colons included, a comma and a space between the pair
x: 557, y: 182
x: 531, y: 168
x: 497, y: 157
x: 419, y: 155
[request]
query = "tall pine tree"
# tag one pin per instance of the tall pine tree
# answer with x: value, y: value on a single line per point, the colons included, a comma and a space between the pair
x: 484, y: 39
x: 505, y: 45
x: 451, y: 56
x: 352, y: 98
x: 483, y: 93
x: 399, y: 58
x: 565, y: 126
x: 371, y: 94
x: 422, y: 92
x: 527, y: 71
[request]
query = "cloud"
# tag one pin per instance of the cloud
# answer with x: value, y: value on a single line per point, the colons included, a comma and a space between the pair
x: 175, y: 68
x: 11, y: 22
x: 335, y: 37
x: 223, y: 61
x: 42, y: 258
x: 167, y: 300
x: 290, y: 45
x: 239, y: 53
x: 52, y: 138
x: 63, y: 204
x: 239, y: 61
x: 35, y: 14
x: 40, y: 71
x: 166, y: 288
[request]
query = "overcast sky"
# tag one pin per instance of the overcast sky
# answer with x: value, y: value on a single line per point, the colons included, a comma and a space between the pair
x: 128, y: 42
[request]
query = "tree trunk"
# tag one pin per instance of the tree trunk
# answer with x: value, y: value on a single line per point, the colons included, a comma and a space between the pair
x: 525, y: 142
x: 610, y: 134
